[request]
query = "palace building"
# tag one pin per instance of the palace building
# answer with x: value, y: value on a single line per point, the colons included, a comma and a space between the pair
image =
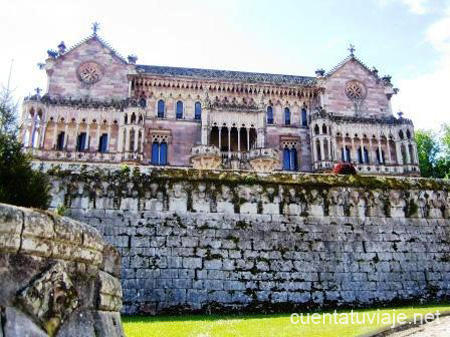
x: 102, y: 108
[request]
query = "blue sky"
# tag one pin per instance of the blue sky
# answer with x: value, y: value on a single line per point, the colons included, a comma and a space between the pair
x: 408, y: 39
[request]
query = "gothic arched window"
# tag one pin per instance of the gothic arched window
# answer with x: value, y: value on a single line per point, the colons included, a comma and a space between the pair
x: 286, y: 159
x: 269, y: 115
x: 198, y: 111
x: 155, y: 153
x: 179, y: 113
x: 161, y: 108
x: 159, y: 153
x: 293, y: 160
x: 163, y: 153
x: 287, y: 116
x: 304, y: 119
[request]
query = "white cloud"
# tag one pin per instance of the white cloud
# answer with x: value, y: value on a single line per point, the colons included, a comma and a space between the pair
x: 418, y: 7
x: 425, y: 98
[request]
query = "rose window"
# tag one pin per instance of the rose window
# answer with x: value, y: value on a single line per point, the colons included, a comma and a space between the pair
x: 90, y: 72
x: 355, y: 91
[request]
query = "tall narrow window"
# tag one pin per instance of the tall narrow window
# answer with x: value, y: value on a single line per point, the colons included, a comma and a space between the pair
x: 60, y: 141
x: 269, y: 115
x: 380, y: 156
x: 287, y: 116
x: 159, y: 153
x: 161, y: 108
x: 347, y: 150
x: 155, y: 153
x: 103, y: 143
x: 286, y: 159
x: 35, y: 139
x: 304, y: 120
x: 360, y: 155
x: 179, y: 109
x: 163, y: 153
x: 198, y: 111
x: 293, y: 160
x: 81, y: 142
x: 319, y: 152
x: 366, y: 156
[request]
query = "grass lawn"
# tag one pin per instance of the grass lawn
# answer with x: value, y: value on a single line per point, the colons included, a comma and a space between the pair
x: 278, y: 325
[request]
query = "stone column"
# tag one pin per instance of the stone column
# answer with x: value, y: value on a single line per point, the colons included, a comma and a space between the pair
x: 399, y: 153
x: 88, y: 137
x: 77, y: 128
x: 314, y: 145
x: 220, y: 138
x: 344, y: 149
x: 336, y: 155
x: 66, y: 136
x: 119, y: 145
x: 248, y: 139
x: 229, y: 142
x: 322, y: 149
x: 353, y: 149
x: 379, y: 152
x: 388, y: 144
x: 136, y: 140
x: 408, y: 155
x: 127, y: 139
x: 362, y: 151
x: 55, y: 135
x: 109, y: 138
x: 370, y: 151
x: 239, y: 142
x: 97, y: 142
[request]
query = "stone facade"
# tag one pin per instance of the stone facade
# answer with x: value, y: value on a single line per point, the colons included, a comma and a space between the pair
x: 191, y: 240
x: 102, y: 108
x: 58, y: 277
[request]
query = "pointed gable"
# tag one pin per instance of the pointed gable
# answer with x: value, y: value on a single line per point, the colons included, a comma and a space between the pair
x: 105, y: 70
x: 352, y: 89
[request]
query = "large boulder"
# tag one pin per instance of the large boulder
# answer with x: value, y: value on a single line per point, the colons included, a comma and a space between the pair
x: 58, y: 276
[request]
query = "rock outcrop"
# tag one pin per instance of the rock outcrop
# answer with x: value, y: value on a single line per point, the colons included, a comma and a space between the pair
x: 58, y: 277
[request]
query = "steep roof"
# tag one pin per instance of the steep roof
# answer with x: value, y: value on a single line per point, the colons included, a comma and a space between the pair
x: 349, y: 58
x: 101, y: 41
x: 227, y: 75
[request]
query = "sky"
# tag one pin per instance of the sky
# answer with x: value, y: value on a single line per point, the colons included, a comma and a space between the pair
x: 407, y: 39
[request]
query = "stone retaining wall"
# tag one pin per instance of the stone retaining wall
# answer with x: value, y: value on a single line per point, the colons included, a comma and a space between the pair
x: 58, y: 277
x: 202, y: 241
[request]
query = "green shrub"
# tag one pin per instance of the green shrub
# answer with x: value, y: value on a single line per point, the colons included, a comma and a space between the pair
x: 19, y: 184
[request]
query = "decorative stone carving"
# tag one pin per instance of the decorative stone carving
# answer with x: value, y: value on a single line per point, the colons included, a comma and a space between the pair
x: 225, y: 200
x: 397, y: 203
x: 357, y: 204
x: 315, y: 206
x: 248, y: 200
x: 292, y: 203
x: 51, y: 298
x: 270, y: 202
x: 205, y: 157
x: 434, y: 205
x: 336, y: 202
x: 201, y: 200
x: 178, y: 198
x: 264, y: 160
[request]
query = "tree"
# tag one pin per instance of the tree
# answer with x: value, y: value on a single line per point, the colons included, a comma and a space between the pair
x: 19, y: 184
x: 433, y: 150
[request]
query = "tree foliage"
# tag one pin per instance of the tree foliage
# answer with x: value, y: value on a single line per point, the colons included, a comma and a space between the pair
x: 19, y: 184
x: 433, y: 149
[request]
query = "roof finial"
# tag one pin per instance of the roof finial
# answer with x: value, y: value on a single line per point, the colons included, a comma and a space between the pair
x: 352, y: 49
x: 95, y: 28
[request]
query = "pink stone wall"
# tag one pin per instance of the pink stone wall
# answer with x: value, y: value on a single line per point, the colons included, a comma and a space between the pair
x: 64, y: 81
x: 336, y: 101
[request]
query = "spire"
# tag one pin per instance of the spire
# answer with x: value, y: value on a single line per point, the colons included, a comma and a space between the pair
x: 352, y: 49
x: 95, y: 28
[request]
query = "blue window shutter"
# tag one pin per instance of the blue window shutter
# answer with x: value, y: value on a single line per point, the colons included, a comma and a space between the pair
x: 198, y: 111
x: 155, y: 153
x: 104, y: 143
x: 366, y: 156
x: 293, y: 159
x: 287, y: 116
x: 304, y: 120
x: 161, y: 108
x: 286, y: 159
x: 269, y: 115
x: 349, y: 159
x: 163, y: 153
x: 179, y: 109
